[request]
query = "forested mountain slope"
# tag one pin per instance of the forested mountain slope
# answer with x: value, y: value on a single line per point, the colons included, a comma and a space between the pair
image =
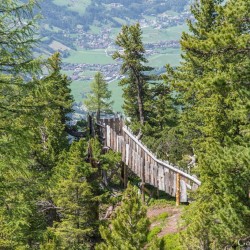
x: 56, y: 190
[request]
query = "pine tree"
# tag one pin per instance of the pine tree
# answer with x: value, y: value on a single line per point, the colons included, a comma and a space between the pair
x: 17, y: 25
x: 163, y: 121
x: 54, y: 102
x: 212, y: 82
x: 135, y: 86
x: 99, y: 100
x: 16, y: 67
x: 129, y: 227
x: 74, y: 196
x: 24, y: 178
x: 21, y: 223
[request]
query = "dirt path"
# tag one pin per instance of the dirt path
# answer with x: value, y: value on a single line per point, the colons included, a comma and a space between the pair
x: 171, y: 225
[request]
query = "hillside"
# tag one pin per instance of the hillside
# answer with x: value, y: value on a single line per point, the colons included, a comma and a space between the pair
x: 172, y: 173
x: 84, y: 32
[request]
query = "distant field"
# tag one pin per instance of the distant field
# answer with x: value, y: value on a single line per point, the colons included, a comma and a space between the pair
x: 116, y: 96
x: 76, y: 5
x: 169, y: 56
x: 88, y: 73
x: 89, y: 56
x: 77, y: 88
x: 151, y: 35
x: 58, y: 46
x: 80, y: 87
x: 68, y: 72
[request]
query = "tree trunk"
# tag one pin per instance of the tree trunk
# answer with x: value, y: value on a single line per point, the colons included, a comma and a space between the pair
x: 98, y: 115
x: 140, y: 102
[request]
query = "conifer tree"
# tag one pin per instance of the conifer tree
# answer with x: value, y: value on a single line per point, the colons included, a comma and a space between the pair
x: 212, y: 82
x: 17, y: 26
x: 54, y: 103
x: 77, y: 194
x: 74, y: 197
x: 136, y: 89
x: 99, y: 100
x: 24, y: 177
x: 162, y: 123
x: 16, y: 67
x: 129, y: 227
x: 21, y: 224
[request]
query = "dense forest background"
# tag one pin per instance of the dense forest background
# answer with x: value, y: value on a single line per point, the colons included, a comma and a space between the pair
x: 57, y: 182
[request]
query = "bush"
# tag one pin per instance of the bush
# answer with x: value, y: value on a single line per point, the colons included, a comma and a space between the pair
x: 160, y: 217
x: 153, y: 233
x: 172, y: 242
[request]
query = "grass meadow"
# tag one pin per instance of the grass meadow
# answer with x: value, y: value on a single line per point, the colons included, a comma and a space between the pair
x: 78, y: 6
x: 168, y: 56
x: 151, y: 35
x: 97, y: 56
x: 79, y: 88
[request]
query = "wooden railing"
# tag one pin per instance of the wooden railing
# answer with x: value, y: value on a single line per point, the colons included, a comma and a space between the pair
x: 137, y: 157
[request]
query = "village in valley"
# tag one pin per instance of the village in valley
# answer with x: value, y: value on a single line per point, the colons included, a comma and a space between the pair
x: 84, y: 32
x: 103, y: 40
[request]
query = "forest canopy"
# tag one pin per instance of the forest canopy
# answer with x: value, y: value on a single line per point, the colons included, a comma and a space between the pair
x: 59, y: 183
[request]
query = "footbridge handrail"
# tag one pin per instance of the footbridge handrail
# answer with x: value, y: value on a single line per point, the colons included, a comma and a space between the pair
x: 145, y: 164
x: 177, y: 170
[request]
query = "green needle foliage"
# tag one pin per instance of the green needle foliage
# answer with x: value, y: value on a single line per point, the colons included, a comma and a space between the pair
x: 161, y: 131
x: 77, y: 194
x: 135, y: 86
x: 17, y: 24
x: 129, y: 227
x: 20, y: 223
x: 99, y: 100
x: 213, y: 85
x: 74, y: 196
x: 54, y: 102
x: 17, y: 29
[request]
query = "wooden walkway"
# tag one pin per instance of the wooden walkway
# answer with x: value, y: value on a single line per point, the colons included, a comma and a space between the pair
x: 160, y: 174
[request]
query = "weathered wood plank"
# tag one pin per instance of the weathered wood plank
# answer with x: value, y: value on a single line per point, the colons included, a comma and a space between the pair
x: 178, y: 191
x: 108, y: 135
x: 147, y: 172
x: 170, y: 182
x: 194, y: 179
x: 161, y: 177
x: 174, y: 183
x: 183, y: 187
x: 127, y: 154
x: 166, y: 181
x: 143, y: 163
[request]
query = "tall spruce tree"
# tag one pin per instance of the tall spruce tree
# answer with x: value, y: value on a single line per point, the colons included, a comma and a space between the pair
x: 129, y: 227
x: 77, y: 192
x: 54, y: 103
x: 16, y: 67
x: 212, y: 82
x: 21, y: 225
x: 135, y: 85
x: 74, y: 197
x: 29, y: 110
x: 99, y: 100
x: 24, y: 178
x: 163, y: 119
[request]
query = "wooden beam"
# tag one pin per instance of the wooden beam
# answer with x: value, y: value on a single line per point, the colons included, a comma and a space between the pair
x: 143, y: 178
x: 125, y: 176
x: 177, y: 189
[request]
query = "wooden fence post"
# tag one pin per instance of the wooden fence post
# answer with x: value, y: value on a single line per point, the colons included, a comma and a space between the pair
x: 177, y: 189
x: 143, y: 178
x: 125, y: 175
